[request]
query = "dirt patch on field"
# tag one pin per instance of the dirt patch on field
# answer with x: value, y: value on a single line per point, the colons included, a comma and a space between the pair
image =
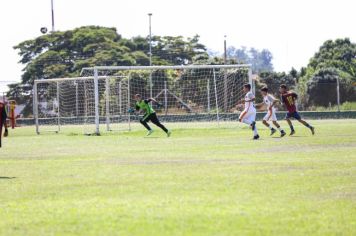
x: 181, y: 162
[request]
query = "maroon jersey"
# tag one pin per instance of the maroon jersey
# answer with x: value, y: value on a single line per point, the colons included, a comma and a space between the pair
x: 2, y: 118
x: 2, y: 113
x: 289, y: 101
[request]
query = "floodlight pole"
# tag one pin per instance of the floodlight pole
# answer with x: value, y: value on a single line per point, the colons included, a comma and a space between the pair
x: 225, y: 55
x: 150, y: 46
x: 52, y: 13
x: 150, y: 36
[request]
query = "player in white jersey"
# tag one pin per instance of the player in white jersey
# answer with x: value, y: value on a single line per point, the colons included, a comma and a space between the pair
x: 269, y: 101
x: 248, y: 115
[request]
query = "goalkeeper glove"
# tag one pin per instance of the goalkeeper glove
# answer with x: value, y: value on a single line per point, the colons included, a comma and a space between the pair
x: 131, y: 110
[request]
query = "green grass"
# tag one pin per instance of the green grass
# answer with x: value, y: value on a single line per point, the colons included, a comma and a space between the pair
x: 201, y: 181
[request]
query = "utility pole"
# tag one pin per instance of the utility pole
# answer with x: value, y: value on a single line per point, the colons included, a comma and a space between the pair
x: 52, y: 13
x: 225, y: 76
x: 225, y: 55
x: 150, y: 52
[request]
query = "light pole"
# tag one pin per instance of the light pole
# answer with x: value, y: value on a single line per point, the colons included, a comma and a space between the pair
x: 150, y: 52
x: 52, y: 13
x: 150, y: 36
x: 225, y: 56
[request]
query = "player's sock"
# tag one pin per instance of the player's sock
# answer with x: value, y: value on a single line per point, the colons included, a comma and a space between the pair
x: 307, y: 125
x: 255, y: 131
x: 163, y: 128
x: 253, y: 125
x: 270, y: 127
x: 312, y: 130
x: 291, y: 127
x: 144, y: 123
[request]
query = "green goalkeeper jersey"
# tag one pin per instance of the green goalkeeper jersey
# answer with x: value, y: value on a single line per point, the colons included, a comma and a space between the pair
x: 145, y: 106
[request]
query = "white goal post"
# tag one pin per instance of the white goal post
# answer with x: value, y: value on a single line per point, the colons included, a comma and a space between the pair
x: 99, y: 100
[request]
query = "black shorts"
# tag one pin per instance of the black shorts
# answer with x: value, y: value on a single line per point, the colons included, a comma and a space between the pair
x: 150, y: 117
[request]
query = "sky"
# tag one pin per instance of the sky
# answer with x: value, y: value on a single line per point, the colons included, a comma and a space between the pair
x: 292, y: 30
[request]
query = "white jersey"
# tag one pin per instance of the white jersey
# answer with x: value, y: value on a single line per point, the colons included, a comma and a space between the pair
x: 271, y: 111
x: 249, y: 105
x: 268, y: 100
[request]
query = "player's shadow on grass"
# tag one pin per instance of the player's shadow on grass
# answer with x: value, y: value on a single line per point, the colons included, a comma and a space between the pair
x: 5, y: 177
x: 294, y: 136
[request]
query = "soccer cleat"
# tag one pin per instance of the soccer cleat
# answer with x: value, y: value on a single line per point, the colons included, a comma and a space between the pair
x: 169, y: 133
x: 312, y: 129
x: 273, y: 131
x: 256, y: 137
x: 149, y: 132
x: 253, y: 125
x: 292, y: 132
x: 6, y: 133
x: 283, y: 133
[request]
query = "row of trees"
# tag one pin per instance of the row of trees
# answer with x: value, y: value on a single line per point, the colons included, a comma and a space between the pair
x: 64, y: 54
x: 317, y: 82
x: 335, y: 60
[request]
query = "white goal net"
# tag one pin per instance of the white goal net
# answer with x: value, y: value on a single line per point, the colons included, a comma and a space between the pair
x: 99, y: 100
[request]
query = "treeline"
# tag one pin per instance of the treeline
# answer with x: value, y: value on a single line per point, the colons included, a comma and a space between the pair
x: 316, y: 83
x: 64, y: 54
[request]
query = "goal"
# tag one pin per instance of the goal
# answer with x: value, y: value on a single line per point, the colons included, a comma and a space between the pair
x: 99, y: 100
x: 73, y: 102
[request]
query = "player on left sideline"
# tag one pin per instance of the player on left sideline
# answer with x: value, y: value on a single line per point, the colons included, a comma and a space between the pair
x: 3, y: 117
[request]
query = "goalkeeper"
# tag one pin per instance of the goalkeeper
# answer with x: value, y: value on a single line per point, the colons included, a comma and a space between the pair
x: 150, y: 114
x: 3, y: 117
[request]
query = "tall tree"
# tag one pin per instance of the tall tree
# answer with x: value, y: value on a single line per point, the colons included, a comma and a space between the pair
x: 64, y: 54
x: 334, y: 60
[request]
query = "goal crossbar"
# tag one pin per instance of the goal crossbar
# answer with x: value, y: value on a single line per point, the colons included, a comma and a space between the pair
x: 74, y: 79
x: 180, y: 67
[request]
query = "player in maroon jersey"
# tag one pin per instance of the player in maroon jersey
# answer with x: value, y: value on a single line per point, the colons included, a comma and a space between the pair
x: 289, y: 100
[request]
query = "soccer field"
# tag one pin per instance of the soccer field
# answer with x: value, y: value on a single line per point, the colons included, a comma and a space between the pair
x: 204, y: 180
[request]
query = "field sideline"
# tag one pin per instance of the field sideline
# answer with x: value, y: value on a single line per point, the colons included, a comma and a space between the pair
x: 202, y: 181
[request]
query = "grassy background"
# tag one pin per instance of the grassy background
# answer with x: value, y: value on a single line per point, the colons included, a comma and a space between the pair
x: 203, y: 180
